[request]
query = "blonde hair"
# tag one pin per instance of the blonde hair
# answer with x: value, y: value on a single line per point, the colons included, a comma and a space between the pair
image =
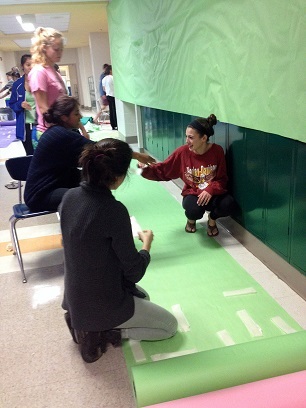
x: 43, y: 36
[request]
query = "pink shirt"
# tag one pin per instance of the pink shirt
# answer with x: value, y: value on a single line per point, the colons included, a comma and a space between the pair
x: 46, y: 79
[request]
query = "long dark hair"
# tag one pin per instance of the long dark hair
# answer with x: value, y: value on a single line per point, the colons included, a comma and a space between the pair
x: 103, y: 162
x: 204, y: 126
x: 64, y: 105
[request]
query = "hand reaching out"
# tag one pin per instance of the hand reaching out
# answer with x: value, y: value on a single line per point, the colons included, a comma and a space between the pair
x: 143, y: 158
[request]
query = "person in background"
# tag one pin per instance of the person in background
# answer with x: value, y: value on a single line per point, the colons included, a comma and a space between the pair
x: 103, y: 98
x: 45, y: 82
x: 15, y: 69
x: 22, y: 102
x: 7, y: 88
x: 104, y: 101
x: 201, y: 165
x: 102, y: 264
x: 54, y: 166
x: 108, y: 86
x: 16, y: 75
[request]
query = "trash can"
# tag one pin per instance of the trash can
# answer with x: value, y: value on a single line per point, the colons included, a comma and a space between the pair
x: 6, y: 114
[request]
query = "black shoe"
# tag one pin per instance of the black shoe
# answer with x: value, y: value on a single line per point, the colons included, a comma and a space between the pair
x: 71, y: 329
x: 92, y: 345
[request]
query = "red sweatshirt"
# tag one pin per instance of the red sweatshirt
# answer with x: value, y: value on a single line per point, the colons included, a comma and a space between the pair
x: 198, y: 171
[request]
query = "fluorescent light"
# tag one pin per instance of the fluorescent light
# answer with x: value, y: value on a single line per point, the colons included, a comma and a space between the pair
x: 26, y: 24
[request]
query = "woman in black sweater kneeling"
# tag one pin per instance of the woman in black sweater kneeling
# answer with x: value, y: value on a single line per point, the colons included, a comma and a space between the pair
x: 102, y: 264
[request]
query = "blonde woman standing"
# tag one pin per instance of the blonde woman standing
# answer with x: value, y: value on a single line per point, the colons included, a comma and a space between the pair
x: 45, y: 82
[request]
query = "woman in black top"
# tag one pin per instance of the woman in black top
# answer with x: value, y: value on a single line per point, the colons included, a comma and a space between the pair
x: 54, y: 166
x: 102, y: 263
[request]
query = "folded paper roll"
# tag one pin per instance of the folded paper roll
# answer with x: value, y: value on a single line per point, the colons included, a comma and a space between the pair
x: 277, y: 392
x: 220, y: 368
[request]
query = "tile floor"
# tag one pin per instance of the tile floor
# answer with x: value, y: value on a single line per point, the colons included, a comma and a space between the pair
x: 41, y: 366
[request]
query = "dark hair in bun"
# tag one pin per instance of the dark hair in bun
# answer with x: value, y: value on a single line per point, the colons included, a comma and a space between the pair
x: 103, y: 162
x: 64, y: 105
x: 204, y: 126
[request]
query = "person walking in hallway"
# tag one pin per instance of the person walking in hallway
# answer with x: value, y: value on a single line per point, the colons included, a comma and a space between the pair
x: 108, y: 86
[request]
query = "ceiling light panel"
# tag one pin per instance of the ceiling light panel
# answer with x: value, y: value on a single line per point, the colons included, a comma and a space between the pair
x: 59, y: 21
x: 9, y: 25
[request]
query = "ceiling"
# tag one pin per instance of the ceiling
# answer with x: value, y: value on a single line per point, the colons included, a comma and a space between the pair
x: 74, y: 18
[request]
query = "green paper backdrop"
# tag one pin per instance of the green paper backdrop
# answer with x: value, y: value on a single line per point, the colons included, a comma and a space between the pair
x: 243, y: 60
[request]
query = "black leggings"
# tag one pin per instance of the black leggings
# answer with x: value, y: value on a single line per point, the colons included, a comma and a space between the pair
x: 112, y: 111
x: 219, y: 206
x: 27, y: 144
x: 51, y: 200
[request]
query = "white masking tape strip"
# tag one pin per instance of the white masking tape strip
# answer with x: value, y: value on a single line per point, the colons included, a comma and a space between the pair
x: 137, y: 351
x: 282, y: 325
x: 225, y: 337
x: 135, y: 226
x: 183, y: 324
x: 165, y: 356
x: 246, y: 291
x: 253, y: 328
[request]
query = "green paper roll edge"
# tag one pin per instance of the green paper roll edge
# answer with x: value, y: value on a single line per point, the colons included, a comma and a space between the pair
x: 220, y: 368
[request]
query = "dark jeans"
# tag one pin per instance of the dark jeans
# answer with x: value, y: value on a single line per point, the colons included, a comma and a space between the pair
x: 112, y: 111
x: 219, y: 206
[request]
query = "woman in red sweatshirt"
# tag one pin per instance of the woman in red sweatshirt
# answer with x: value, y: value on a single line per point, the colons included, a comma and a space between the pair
x: 201, y: 165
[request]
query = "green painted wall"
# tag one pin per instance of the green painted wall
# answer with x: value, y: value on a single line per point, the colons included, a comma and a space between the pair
x: 267, y: 178
x: 244, y: 60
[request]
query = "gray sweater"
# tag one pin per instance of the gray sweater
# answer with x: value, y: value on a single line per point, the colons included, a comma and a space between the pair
x: 100, y: 258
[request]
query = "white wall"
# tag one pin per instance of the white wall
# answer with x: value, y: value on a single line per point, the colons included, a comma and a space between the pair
x: 84, y: 71
x: 100, y: 55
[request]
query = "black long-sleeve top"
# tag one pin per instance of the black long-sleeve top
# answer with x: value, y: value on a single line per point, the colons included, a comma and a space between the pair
x: 100, y: 256
x: 54, y: 164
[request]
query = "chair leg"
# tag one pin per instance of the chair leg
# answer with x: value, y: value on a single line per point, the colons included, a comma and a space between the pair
x: 15, y: 242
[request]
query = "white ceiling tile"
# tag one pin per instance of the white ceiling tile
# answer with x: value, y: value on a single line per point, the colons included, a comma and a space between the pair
x: 23, y: 43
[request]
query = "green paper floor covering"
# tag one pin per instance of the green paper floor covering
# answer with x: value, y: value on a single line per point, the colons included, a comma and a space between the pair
x: 191, y: 270
x: 220, y: 368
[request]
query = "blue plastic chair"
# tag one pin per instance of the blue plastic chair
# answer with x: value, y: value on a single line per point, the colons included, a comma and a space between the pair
x: 18, y: 169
